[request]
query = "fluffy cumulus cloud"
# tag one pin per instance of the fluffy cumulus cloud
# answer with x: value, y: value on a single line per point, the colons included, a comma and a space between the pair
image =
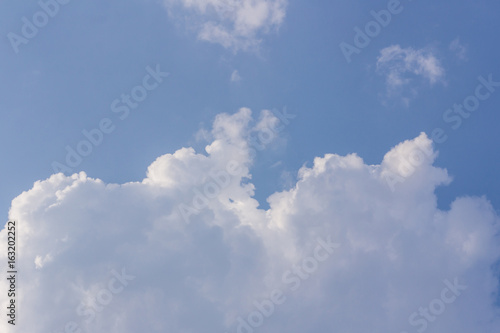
x: 341, y: 251
x: 235, y: 24
x: 400, y: 66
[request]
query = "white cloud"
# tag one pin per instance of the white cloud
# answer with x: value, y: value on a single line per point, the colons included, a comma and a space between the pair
x: 76, y: 233
x: 459, y: 49
x: 400, y: 66
x: 235, y: 76
x: 235, y: 24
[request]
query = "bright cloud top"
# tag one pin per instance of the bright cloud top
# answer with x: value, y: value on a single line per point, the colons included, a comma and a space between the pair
x: 340, y: 251
x: 235, y: 24
x: 400, y: 65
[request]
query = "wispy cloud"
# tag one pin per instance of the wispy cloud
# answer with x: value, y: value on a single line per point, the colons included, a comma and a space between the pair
x: 459, y: 49
x: 396, y: 63
x: 234, y: 24
x: 235, y: 76
x: 401, y: 65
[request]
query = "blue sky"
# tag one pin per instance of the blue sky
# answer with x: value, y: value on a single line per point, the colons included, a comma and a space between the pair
x: 64, y: 80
